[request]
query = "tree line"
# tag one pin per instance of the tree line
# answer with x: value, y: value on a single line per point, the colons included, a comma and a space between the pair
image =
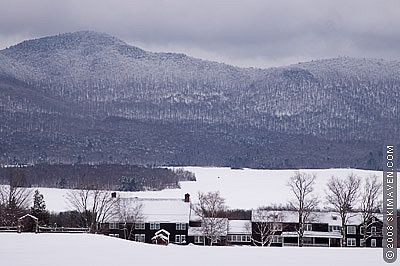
x: 107, y: 176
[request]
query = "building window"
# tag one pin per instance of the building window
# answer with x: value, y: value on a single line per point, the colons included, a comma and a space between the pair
x: 373, y: 230
x: 277, y: 226
x: 362, y: 243
x: 140, y: 238
x: 308, y: 227
x: 113, y: 225
x: 276, y: 239
x: 154, y: 226
x: 334, y: 228
x: 183, y: 239
x: 114, y: 235
x: 307, y: 241
x: 239, y: 238
x: 373, y: 243
x: 199, y: 239
x: 351, y: 242
x: 140, y: 226
x: 362, y: 230
x: 180, y: 226
x: 178, y: 239
x: 351, y: 230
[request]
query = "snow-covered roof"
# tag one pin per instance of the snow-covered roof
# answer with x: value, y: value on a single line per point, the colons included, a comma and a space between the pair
x: 239, y: 227
x: 222, y: 224
x: 28, y: 215
x: 158, y: 210
x: 165, y: 238
x: 162, y: 231
x: 357, y: 218
x: 330, y: 218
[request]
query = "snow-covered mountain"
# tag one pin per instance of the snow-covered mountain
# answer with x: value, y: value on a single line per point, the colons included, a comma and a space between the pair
x: 92, y: 96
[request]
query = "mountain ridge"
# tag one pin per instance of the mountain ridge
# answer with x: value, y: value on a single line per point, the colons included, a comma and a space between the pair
x: 97, y: 37
x: 96, y: 77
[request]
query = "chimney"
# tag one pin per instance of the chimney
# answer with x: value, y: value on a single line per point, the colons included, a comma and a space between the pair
x: 187, y: 197
x: 114, y: 195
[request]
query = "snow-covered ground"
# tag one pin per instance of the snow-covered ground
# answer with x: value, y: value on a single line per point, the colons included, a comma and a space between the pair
x: 246, y: 188
x: 84, y: 249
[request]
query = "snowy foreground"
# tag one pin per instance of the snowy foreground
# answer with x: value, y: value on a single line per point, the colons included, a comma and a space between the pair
x: 84, y: 249
x: 246, y: 189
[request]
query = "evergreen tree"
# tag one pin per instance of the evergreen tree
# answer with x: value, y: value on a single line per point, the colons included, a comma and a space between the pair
x: 39, y: 208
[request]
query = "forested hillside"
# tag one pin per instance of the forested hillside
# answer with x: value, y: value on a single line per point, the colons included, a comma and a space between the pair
x: 102, y: 176
x: 89, y: 97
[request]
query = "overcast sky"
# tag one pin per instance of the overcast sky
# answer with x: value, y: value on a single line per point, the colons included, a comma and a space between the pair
x: 247, y: 33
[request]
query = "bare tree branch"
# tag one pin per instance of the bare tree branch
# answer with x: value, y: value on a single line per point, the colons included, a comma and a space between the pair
x: 95, y: 205
x: 211, y: 209
x: 130, y: 212
x: 266, y: 224
x: 342, y: 195
x: 371, y: 202
x: 302, y: 186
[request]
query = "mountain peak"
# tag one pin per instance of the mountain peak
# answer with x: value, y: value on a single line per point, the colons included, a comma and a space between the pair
x: 91, y: 37
x: 67, y: 41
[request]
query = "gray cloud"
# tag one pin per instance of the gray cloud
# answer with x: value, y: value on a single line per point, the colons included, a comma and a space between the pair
x: 259, y: 33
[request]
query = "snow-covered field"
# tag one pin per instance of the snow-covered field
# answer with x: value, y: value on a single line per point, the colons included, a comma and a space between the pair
x: 246, y: 188
x: 84, y: 249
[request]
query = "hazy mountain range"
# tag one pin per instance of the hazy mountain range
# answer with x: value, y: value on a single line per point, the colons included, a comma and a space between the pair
x: 90, y: 97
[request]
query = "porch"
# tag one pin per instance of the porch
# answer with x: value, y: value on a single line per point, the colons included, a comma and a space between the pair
x: 312, y: 239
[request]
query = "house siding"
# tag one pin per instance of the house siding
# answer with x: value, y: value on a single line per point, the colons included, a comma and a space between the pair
x: 149, y: 233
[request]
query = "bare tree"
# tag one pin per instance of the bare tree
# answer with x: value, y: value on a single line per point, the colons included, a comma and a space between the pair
x: 130, y: 212
x: 302, y: 186
x: 266, y: 224
x: 94, y: 204
x: 211, y: 209
x: 14, y: 199
x: 342, y: 195
x: 371, y: 202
